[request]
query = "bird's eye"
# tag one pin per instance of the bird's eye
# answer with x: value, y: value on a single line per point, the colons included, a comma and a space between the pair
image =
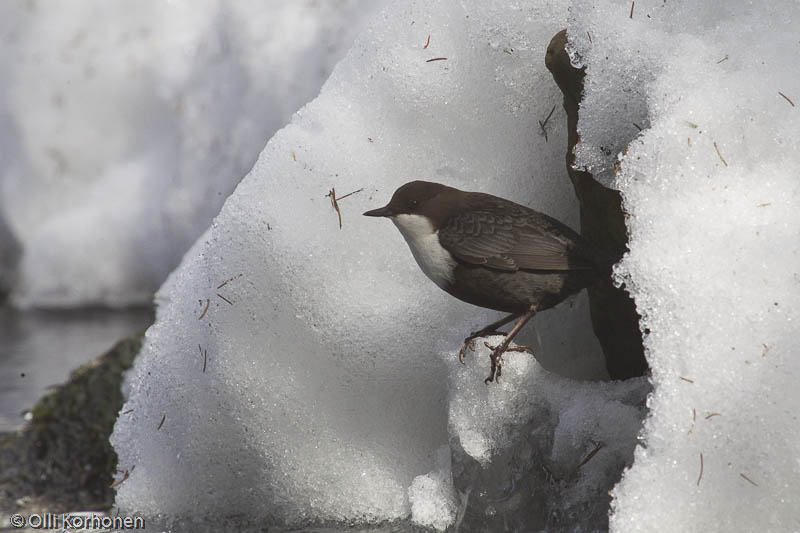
x: 413, y: 202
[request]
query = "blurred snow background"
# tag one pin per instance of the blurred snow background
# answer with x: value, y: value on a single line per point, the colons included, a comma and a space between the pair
x: 125, y: 125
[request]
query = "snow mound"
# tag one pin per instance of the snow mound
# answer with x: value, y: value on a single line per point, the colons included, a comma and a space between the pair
x: 125, y: 125
x: 323, y: 398
x: 711, y: 188
x: 536, y: 450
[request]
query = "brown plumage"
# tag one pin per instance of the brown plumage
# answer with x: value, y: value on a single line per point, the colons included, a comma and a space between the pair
x: 492, y: 252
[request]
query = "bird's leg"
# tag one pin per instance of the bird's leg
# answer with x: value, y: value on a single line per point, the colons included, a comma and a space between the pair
x: 491, y: 328
x: 497, y: 362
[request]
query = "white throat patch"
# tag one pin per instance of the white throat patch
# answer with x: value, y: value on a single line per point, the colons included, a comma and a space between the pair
x: 432, y: 258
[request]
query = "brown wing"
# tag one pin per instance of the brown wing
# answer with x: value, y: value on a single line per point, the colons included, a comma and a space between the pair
x: 517, y: 238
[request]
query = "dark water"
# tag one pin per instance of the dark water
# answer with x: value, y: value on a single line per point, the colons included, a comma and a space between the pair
x: 39, y: 349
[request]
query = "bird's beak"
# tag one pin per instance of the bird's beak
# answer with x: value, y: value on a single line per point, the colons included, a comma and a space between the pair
x: 380, y: 212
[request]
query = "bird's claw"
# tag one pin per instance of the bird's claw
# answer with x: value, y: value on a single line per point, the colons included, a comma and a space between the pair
x: 497, y: 359
x: 496, y: 355
x: 469, y: 344
x: 519, y: 349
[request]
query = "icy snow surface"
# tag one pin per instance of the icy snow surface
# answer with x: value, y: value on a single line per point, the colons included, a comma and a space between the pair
x: 324, y: 396
x: 433, y: 501
x: 712, y: 187
x: 538, y: 451
x: 125, y: 125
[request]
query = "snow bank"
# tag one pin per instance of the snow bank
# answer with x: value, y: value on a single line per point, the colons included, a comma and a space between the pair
x: 294, y: 374
x: 711, y: 186
x: 125, y: 125
x: 323, y: 397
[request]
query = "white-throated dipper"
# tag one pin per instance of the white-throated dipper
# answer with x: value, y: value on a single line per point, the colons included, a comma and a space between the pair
x: 493, y: 253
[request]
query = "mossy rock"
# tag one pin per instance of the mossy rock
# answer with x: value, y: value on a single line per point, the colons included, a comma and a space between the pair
x: 62, y: 460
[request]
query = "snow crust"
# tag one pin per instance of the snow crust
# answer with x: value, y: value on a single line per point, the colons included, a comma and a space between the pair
x: 711, y: 186
x: 125, y: 126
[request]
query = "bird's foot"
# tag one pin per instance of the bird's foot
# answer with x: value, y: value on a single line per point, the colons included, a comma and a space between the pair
x: 469, y: 342
x: 497, y: 362
x: 497, y: 359
x: 519, y: 349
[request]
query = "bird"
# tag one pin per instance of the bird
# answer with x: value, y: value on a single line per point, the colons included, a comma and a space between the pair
x: 493, y: 253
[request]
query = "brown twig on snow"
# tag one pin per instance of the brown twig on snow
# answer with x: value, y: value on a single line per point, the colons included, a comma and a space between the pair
x: 543, y: 124
x: 335, y: 204
x: 125, y: 476
x: 720, y: 155
x: 227, y: 280
x: 701, y: 469
x: 588, y: 458
x: 335, y: 201
x: 208, y: 303
x: 350, y: 193
x: 749, y: 480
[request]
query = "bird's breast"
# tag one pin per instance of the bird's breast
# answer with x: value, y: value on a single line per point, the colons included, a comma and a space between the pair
x: 423, y: 240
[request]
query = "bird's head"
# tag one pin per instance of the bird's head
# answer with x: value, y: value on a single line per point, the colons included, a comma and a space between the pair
x: 433, y: 201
